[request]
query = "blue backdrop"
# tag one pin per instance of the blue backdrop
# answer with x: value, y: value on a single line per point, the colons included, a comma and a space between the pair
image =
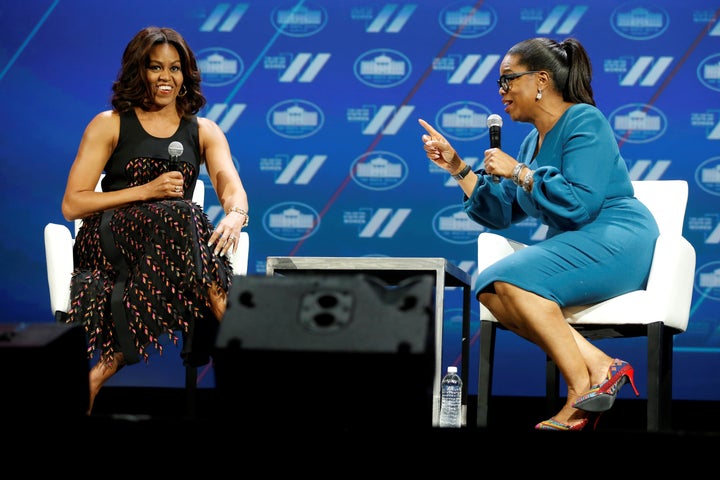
x: 320, y: 101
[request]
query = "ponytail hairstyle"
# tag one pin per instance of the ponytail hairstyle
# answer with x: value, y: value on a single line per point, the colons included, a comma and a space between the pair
x: 567, y: 62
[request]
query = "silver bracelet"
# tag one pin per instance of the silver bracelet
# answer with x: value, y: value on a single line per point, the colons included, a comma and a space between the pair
x: 516, y: 173
x: 526, y: 181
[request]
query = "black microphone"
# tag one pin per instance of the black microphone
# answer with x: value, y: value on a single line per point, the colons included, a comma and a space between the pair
x: 494, y: 122
x: 175, y: 149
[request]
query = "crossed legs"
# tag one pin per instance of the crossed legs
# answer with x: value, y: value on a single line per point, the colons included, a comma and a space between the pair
x: 542, y: 322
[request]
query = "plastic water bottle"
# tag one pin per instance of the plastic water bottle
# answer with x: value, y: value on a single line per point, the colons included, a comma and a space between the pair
x: 451, y: 399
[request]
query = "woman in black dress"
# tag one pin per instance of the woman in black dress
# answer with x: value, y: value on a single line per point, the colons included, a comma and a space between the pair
x: 149, y: 265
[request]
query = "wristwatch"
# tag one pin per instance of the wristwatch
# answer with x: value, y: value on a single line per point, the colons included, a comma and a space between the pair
x: 462, y: 173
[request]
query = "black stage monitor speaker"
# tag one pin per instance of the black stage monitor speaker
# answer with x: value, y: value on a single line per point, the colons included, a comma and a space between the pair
x: 327, y: 352
x: 44, y: 371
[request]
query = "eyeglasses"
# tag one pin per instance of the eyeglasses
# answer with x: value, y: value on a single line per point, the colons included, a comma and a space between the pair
x: 504, y: 80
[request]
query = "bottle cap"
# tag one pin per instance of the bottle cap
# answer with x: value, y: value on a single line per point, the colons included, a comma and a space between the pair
x: 452, y: 369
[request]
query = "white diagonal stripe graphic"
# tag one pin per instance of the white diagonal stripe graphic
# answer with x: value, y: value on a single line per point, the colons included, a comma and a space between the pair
x: 371, y: 227
x: 217, y: 14
x: 234, y: 17
x: 714, y: 133
x: 379, y: 21
x: 214, y: 17
x: 309, y: 172
x: 232, y: 115
x: 314, y: 67
x: 654, y: 74
x: 572, y: 20
x: 295, y: 66
x: 394, y: 223
x: 463, y: 69
x: 216, y: 111
x: 553, y: 18
x: 398, y: 120
x: 714, y: 236
x: 378, y: 120
x: 636, y: 172
x: 291, y: 169
x: 656, y: 172
x: 485, y: 67
x: 401, y: 19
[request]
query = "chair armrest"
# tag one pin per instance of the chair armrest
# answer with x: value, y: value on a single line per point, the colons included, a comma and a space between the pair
x: 59, y: 263
x: 239, y: 260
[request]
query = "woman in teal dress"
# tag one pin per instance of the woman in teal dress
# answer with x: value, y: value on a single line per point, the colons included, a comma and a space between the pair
x: 568, y: 174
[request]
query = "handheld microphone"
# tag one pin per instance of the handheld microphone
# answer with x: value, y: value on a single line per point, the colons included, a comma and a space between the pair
x: 494, y: 122
x: 175, y: 149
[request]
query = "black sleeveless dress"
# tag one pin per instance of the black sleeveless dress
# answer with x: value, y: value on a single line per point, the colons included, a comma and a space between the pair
x: 142, y: 271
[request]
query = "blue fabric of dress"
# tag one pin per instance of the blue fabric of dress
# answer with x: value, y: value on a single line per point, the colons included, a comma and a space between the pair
x: 600, y: 238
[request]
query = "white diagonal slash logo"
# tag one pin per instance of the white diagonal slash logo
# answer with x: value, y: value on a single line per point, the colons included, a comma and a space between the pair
x: 387, y: 120
x: 301, y: 167
x: 645, y: 72
x: 230, y: 115
x: 645, y: 170
x: 473, y: 69
x: 384, y: 20
x: 385, y: 223
x: 215, y: 19
x: 554, y: 22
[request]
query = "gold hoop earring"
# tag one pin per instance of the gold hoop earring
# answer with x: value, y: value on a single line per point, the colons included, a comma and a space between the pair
x: 539, y: 95
x: 183, y: 91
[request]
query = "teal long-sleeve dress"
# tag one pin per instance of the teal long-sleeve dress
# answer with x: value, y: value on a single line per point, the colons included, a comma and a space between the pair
x: 600, y: 238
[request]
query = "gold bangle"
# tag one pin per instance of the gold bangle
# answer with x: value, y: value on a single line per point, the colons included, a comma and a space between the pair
x: 241, y: 211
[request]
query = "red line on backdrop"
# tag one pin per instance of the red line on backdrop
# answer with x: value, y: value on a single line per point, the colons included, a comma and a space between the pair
x: 674, y: 71
x: 379, y: 136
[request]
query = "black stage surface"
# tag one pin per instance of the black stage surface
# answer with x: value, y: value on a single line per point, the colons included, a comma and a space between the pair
x: 141, y: 430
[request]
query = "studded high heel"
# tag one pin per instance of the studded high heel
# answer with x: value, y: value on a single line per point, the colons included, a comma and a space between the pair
x: 602, y: 397
x: 551, y: 424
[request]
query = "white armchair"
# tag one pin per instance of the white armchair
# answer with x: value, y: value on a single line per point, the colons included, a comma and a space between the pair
x: 59, y: 261
x: 659, y: 312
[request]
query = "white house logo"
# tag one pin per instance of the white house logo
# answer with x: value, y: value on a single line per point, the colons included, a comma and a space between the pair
x: 707, y: 281
x: 708, y: 72
x: 638, y: 123
x: 638, y: 21
x: 707, y: 175
x: 463, y: 121
x: 382, y: 68
x: 453, y: 225
x: 464, y: 20
x: 291, y: 221
x: 299, y: 20
x: 295, y: 119
x: 379, y: 170
x: 219, y: 66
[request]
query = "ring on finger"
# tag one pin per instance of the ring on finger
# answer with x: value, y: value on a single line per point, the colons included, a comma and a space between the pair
x: 177, y: 189
x: 231, y: 238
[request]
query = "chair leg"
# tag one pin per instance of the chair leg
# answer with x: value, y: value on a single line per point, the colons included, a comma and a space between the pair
x: 659, y: 381
x: 488, y: 330
x: 191, y: 391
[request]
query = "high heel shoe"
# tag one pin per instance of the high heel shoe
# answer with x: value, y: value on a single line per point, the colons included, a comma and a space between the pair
x: 551, y: 424
x: 602, y: 397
